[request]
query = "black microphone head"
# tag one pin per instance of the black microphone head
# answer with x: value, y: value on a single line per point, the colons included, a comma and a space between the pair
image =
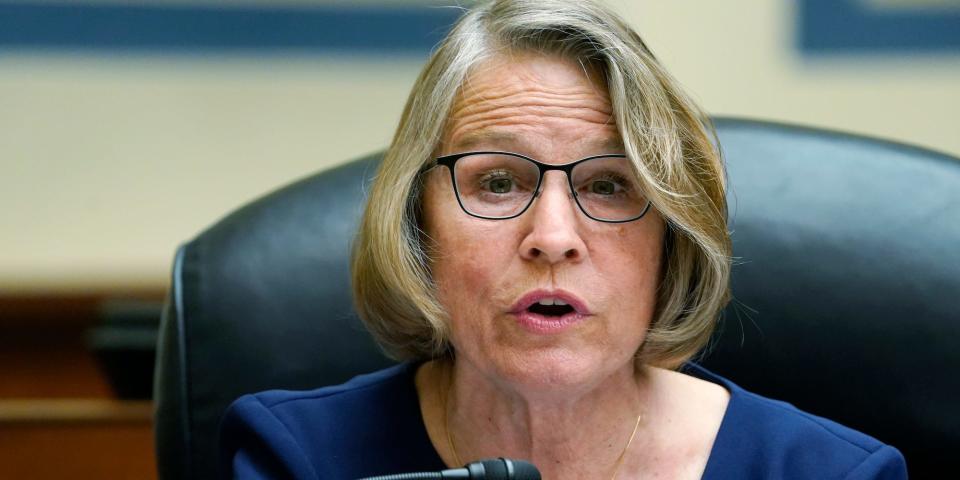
x: 523, y: 470
x: 504, y: 469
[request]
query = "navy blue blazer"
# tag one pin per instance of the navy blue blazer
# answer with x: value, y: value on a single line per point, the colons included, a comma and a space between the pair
x: 372, y: 425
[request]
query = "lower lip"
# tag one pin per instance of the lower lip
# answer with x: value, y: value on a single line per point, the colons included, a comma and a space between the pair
x: 543, y: 324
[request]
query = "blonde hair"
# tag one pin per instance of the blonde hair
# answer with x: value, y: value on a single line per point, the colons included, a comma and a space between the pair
x: 665, y: 133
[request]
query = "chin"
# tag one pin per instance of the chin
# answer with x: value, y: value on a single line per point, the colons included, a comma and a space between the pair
x: 552, y: 369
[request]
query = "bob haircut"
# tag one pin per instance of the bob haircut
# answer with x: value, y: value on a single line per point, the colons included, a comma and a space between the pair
x: 663, y: 131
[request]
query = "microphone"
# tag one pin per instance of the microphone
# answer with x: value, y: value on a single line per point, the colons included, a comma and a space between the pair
x: 492, y: 469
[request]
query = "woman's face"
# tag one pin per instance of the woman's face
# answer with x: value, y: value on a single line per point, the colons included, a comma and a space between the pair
x: 492, y: 274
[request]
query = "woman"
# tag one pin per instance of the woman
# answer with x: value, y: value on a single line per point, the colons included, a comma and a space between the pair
x: 545, y: 247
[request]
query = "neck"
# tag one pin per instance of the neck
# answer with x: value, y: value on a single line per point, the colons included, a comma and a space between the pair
x: 574, y: 432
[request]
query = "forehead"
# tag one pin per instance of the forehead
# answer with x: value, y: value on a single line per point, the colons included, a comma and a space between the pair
x: 534, y: 102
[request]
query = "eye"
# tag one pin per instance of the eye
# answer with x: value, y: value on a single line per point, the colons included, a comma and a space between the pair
x: 603, y: 187
x: 500, y: 185
x: 498, y: 181
x: 607, y: 184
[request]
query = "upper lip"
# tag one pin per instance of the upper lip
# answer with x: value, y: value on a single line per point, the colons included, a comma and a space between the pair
x: 535, y: 296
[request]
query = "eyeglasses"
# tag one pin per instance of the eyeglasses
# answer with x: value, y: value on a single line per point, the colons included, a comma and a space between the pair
x: 502, y: 185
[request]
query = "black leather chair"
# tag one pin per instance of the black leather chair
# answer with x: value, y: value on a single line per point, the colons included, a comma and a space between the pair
x: 847, y: 281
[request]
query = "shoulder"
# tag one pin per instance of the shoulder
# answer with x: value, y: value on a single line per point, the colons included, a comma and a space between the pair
x: 319, y: 433
x: 329, y: 403
x: 764, y: 438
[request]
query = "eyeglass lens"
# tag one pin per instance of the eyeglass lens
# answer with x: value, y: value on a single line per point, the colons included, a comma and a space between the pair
x: 498, y: 186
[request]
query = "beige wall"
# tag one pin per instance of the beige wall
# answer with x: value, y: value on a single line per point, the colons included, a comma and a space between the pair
x: 107, y: 163
x: 738, y: 58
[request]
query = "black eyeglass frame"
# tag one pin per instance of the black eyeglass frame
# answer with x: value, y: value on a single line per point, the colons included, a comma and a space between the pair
x: 450, y: 160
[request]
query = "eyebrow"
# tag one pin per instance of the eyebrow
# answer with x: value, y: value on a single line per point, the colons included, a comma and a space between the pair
x: 474, y: 139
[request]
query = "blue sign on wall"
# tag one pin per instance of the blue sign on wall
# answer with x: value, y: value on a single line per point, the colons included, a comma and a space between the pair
x: 878, y: 26
x: 185, y: 28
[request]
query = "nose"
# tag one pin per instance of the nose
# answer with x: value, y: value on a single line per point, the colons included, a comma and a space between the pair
x: 554, y: 224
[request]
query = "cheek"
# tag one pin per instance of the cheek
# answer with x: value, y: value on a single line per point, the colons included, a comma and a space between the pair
x: 463, y: 283
x: 468, y: 261
x: 631, y: 264
x: 467, y: 268
x: 460, y: 281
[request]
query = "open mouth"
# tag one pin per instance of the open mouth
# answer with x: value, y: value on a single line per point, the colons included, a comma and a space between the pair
x: 550, y: 310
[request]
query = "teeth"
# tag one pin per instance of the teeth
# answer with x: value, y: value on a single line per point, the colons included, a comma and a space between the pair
x: 551, y: 301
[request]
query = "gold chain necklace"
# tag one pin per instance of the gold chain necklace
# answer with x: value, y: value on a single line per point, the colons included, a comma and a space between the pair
x: 456, y: 456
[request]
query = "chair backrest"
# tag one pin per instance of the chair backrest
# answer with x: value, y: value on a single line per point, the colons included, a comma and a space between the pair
x: 846, y: 279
